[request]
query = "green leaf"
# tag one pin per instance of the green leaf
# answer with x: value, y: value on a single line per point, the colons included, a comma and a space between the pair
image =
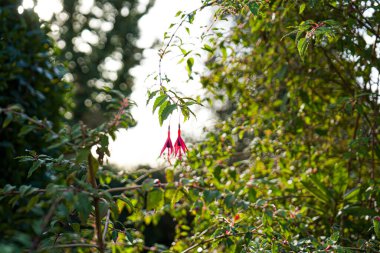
x: 24, y: 189
x: 208, y: 48
x: 25, y: 130
x: 223, y: 49
x: 317, y: 193
x: 151, y: 95
x: 8, y: 119
x: 148, y: 184
x: 115, y: 234
x: 376, y: 226
x: 83, y: 205
x: 169, y: 174
x: 191, y: 17
x: 155, y: 199
x: 34, y: 167
x: 302, y: 8
x: 162, y: 107
x: 94, y: 163
x: 159, y: 101
x: 129, y: 236
x: 211, y: 195
x: 302, y: 45
x: 185, y: 112
x: 189, y: 65
x: 352, y: 194
x: 166, y: 112
x: 358, y: 211
x: 128, y: 202
x: 254, y: 8
x: 82, y: 155
x: 335, y: 237
x: 178, y: 13
x: 103, y: 208
x: 178, y: 194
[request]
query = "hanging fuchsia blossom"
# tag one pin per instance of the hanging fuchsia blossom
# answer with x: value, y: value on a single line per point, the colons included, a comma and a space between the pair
x: 168, y: 145
x: 179, y: 144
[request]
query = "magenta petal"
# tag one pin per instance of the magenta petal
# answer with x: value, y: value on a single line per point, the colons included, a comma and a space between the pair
x: 168, y: 144
x: 180, y: 146
x: 162, y: 150
x: 183, y: 145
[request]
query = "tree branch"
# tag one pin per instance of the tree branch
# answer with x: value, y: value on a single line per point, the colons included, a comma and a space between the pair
x: 72, y: 245
x: 45, y: 223
x: 98, y: 225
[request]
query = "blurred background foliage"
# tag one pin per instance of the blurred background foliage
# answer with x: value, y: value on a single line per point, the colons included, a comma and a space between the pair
x: 98, y: 41
x: 292, y: 164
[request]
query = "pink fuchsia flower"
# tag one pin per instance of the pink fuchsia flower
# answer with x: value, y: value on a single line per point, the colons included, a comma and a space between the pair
x: 179, y: 145
x: 168, y: 145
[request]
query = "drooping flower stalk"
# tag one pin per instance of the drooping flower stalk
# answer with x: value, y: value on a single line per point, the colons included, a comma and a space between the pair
x: 168, y: 145
x: 179, y: 145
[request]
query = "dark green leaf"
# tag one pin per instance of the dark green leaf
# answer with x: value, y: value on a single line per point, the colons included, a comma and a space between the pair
x: 7, y: 120
x: 115, y: 234
x: 34, y: 167
x: 166, y: 112
x: 254, y: 8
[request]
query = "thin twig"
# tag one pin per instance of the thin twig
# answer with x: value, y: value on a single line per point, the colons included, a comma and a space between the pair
x: 106, y: 226
x: 147, y: 173
x: 221, y: 237
x: 45, y: 223
x: 353, y: 139
x: 160, y: 185
x: 163, y: 51
x: 72, y: 245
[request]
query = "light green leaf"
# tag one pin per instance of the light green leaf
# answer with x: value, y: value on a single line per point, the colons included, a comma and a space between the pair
x: 302, y: 8
x: 155, y: 199
x: 302, y: 45
x: 178, y: 13
x: 208, y: 48
x: 159, y: 101
x: 128, y: 202
x: 376, y: 226
x: 189, y: 65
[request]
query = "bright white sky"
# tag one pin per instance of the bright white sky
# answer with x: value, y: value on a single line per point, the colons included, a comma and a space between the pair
x: 142, y: 144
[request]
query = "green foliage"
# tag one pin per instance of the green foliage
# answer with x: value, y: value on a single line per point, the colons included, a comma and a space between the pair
x: 100, y: 48
x: 33, y: 96
x: 168, y: 101
x: 290, y: 166
x: 284, y: 155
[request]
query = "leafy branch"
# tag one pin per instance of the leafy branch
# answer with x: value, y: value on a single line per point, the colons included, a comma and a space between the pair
x: 254, y: 231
